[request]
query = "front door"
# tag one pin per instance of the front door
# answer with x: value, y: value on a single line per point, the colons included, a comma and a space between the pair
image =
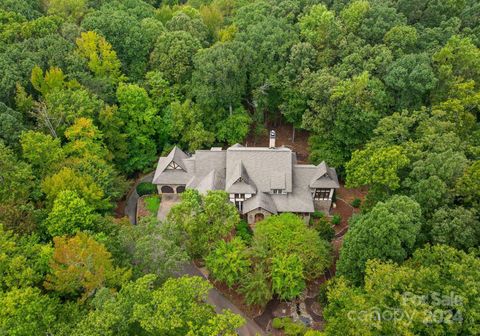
x: 259, y: 217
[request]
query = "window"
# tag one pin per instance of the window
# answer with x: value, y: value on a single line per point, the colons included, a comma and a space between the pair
x: 239, y: 196
x: 173, y: 166
x: 239, y: 205
x: 278, y: 191
x: 322, y: 194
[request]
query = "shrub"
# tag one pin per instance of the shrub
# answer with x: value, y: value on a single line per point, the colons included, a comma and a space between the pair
x: 318, y: 214
x: 290, y: 328
x: 244, y: 232
x: 356, y: 202
x: 336, y: 219
x: 278, y: 322
x: 322, y: 297
x: 325, y: 229
x: 146, y: 188
x: 256, y: 287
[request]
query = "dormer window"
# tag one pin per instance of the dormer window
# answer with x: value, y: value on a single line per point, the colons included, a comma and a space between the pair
x: 278, y: 191
x: 173, y: 166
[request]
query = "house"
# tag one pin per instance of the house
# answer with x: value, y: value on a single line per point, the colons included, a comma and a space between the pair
x: 261, y: 181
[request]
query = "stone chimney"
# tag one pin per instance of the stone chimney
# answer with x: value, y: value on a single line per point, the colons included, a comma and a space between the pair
x: 272, y: 139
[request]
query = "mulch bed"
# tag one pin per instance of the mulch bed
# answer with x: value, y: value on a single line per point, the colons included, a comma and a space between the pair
x: 142, y: 211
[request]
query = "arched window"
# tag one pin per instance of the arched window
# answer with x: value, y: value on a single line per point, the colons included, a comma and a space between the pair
x: 167, y: 190
x: 180, y: 189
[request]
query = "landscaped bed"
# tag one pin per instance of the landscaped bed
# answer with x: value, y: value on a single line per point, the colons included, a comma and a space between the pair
x: 148, y: 205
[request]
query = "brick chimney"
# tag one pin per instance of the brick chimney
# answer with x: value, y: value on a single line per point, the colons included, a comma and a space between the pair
x: 272, y: 139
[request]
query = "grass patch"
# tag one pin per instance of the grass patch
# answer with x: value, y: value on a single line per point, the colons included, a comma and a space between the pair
x: 152, y: 203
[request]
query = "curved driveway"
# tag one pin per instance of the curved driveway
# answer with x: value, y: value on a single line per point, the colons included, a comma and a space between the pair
x: 215, y: 298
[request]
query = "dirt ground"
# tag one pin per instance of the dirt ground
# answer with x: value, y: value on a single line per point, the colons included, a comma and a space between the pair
x: 142, y: 211
x: 283, y: 138
x: 346, y: 211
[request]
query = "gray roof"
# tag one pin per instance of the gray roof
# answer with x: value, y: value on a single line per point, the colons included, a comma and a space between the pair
x: 239, y: 182
x: 277, y: 180
x: 250, y: 170
x: 324, y: 177
x: 261, y: 163
x: 164, y: 176
x: 211, y: 181
x: 260, y: 200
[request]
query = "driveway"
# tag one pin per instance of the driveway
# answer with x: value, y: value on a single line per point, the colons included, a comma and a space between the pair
x: 167, y: 202
x: 220, y: 302
x: 215, y: 298
x: 132, y: 198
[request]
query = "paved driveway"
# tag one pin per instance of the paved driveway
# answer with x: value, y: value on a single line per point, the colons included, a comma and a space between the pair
x: 132, y: 198
x: 215, y: 298
x: 167, y: 202
x: 220, y: 302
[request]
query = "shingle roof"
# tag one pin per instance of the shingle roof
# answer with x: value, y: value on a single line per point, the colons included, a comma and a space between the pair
x: 239, y: 182
x: 261, y: 163
x: 261, y: 169
x: 179, y: 176
x: 324, y: 177
x: 277, y: 180
x: 212, y: 181
x: 260, y: 200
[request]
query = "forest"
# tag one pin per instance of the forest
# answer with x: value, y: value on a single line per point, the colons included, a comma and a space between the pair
x: 92, y: 92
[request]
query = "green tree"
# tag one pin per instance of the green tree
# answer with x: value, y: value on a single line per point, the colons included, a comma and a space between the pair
x: 457, y: 62
x: 431, y: 274
x: 173, y: 56
x: 11, y: 125
x: 101, y: 59
x: 287, y: 234
x: 387, y: 232
x: 150, y: 250
x: 141, y: 124
x: 376, y: 167
x: 83, y: 184
x: 69, y: 215
x: 123, y: 29
x: 229, y: 261
x: 457, y: 227
x: 184, y: 124
x: 411, y: 78
x: 26, y: 311
x: 179, y: 308
x: 17, y: 183
x: 321, y: 28
x: 42, y: 151
x: 67, y: 9
x: 287, y: 276
x: 218, y: 81
x: 203, y: 220
x: 468, y: 185
x: 23, y: 260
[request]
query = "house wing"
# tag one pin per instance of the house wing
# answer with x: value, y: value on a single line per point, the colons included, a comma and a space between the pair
x: 172, y: 162
x: 324, y: 177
